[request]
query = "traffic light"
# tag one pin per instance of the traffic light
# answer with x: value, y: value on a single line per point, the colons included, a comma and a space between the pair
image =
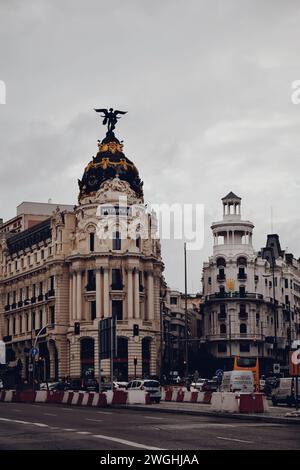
x: 136, y: 330
x: 77, y: 328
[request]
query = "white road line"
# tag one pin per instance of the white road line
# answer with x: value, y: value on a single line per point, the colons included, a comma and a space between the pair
x: 83, y: 432
x: 104, y: 412
x: 14, y: 421
x: 153, y: 417
x: 125, y: 442
x: 40, y: 425
x: 95, y: 420
x: 235, y: 440
x: 69, y: 430
x: 49, y: 414
x: 68, y: 409
x: 14, y: 409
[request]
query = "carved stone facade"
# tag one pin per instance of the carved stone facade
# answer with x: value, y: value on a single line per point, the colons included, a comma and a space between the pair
x: 79, y: 267
x: 239, y: 314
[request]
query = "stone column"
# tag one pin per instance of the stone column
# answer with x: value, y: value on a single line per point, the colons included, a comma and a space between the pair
x: 74, y: 297
x: 71, y: 297
x: 99, y: 312
x: 79, y: 298
x: 106, y: 292
x: 150, y: 297
x: 136, y: 294
x: 129, y: 294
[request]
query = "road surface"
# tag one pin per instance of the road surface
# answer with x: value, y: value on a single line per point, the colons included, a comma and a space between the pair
x: 43, y: 426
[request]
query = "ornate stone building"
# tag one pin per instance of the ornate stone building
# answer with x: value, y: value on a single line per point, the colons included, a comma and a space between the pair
x: 239, y: 313
x: 98, y: 260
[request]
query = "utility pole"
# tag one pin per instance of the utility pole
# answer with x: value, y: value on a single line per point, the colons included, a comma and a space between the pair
x: 186, y: 355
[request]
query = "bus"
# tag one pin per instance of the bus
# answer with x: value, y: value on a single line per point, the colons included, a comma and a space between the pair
x: 248, y: 363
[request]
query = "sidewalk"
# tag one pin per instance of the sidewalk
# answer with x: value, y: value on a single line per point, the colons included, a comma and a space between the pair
x: 276, y: 415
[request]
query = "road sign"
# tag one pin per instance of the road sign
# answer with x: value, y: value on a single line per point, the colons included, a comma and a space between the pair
x: 34, y: 352
x: 107, y: 337
x: 276, y: 368
x: 219, y: 373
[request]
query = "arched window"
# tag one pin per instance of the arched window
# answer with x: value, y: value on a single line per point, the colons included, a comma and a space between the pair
x: 243, y: 328
x: 241, y: 261
x: 223, y: 329
x: 221, y: 263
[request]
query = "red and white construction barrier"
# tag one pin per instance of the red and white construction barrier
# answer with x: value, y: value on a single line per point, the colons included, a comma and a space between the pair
x: 183, y: 395
x: 239, y: 402
x: 116, y: 397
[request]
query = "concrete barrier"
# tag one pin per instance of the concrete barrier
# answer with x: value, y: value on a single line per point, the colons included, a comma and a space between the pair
x: 239, y: 402
x: 230, y: 402
x: 136, y: 397
x: 41, y: 396
x: 183, y: 395
x: 252, y: 403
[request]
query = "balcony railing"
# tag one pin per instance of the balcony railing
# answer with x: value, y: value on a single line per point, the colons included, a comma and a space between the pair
x: 7, y: 308
x: 40, y: 298
x: 51, y: 293
x: 221, y: 277
x: 33, y: 300
x: 234, y: 295
x: 13, y: 306
x: 20, y: 303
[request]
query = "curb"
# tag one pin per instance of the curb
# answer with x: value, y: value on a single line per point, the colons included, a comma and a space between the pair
x: 244, y: 417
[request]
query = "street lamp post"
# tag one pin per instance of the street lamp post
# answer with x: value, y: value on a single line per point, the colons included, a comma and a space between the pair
x: 186, y: 352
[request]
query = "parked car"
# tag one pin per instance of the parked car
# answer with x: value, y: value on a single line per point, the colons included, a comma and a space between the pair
x: 199, y: 384
x: 284, y: 392
x: 48, y: 385
x: 270, y: 384
x: 121, y: 385
x: 91, y: 385
x: 150, y: 386
x: 238, y: 381
x: 210, y: 385
x: 262, y: 385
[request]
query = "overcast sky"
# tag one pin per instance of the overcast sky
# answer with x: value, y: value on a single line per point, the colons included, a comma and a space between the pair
x: 207, y: 87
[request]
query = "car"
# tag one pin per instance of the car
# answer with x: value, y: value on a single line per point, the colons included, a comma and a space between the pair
x: 48, y: 386
x: 150, y: 386
x: 199, y: 384
x: 262, y: 384
x: 284, y: 392
x: 120, y: 385
x: 210, y: 385
x: 270, y: 384
x: 238, y: 381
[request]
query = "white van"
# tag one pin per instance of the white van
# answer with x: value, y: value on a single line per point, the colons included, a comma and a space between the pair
x: 284, y: 392
x: 238, y: 381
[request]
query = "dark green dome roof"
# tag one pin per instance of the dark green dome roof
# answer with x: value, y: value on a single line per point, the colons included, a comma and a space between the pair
x: 109, y: 162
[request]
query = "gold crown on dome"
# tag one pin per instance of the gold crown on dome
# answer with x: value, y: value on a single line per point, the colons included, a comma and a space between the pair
x: 112, y: 147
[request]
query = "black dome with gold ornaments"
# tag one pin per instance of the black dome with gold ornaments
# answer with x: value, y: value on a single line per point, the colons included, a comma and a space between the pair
x: 109, y: 162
